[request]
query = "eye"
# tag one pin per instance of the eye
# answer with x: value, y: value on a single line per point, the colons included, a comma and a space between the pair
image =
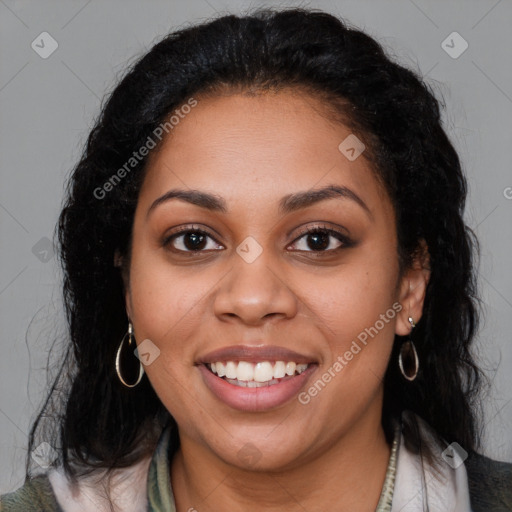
x: 320, y: 239
x: 188, y: 239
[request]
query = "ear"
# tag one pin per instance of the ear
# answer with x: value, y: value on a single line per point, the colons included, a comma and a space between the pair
x: 413, y: 286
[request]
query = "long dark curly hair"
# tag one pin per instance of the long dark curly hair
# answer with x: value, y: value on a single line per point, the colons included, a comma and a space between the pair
x: 102, y: 424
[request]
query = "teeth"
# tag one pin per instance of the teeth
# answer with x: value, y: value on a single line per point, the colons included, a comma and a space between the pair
x: 254, y: 375
x: 252, y: 383
x: 221, y: 369
x: 245, y: 371
x: 279, y: 370
x: 300, y: 368
x: 263, y: 372
x: 231, y: 370
x: 290, y: 368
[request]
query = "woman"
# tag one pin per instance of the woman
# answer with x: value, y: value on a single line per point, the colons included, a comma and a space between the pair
x: 270, y: 210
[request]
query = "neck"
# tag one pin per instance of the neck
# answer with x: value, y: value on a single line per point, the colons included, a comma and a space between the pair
x: 349, y: 473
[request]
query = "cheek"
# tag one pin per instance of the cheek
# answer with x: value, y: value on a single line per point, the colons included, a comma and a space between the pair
x: 360, y: 332
x: 167, y: 311
x: 358, y: 315
x: 355, y: 299
x: 166, y: 302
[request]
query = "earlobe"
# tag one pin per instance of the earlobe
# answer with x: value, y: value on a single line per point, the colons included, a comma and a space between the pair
x: 413, y: 289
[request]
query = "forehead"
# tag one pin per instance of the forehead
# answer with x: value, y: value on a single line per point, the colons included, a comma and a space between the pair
x: 258, y: 146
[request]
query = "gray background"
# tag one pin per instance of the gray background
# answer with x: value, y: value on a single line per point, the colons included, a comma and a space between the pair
x: 47, y: 107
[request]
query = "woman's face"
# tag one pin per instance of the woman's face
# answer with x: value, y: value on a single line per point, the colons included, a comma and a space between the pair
x: 258, y: 294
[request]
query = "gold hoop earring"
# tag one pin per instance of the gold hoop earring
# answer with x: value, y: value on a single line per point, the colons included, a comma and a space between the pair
x: 118, y: 358
x: 408, y: 352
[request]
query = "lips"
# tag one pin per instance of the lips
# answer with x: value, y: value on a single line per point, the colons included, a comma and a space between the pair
x: 260, y: 390
x: 255, y: 355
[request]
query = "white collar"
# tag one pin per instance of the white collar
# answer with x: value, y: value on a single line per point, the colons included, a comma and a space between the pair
x: 128, y: 490
x: 419, y: 486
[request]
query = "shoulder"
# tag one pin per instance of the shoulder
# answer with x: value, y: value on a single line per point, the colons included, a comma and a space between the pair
x: 120, y: 489
x: 36, y: 495
x: 490, y: 483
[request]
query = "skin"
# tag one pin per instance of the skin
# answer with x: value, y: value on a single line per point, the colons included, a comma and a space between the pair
x: 252, y: 151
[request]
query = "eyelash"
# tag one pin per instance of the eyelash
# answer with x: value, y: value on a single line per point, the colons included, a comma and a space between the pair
x: 346, y: 242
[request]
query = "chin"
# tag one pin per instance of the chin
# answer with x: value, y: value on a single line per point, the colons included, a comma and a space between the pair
x: 261, y: 455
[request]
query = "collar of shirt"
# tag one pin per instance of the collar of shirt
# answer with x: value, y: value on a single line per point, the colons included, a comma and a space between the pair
x: 160, y: 495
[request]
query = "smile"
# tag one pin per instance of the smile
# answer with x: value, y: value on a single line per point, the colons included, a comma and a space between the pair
x: 255, y: 375
x: 256, y: 386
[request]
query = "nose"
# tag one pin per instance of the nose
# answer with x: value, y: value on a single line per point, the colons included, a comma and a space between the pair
x: 254, y: 293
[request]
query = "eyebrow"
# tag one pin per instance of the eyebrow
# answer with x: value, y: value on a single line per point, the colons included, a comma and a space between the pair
x: 287, y: 204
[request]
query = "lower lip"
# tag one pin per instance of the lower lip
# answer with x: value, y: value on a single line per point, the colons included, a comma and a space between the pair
x: 255, y: 399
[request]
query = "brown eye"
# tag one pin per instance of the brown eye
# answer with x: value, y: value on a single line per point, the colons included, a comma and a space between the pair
x: 189, y: 240
x: 322, y: 240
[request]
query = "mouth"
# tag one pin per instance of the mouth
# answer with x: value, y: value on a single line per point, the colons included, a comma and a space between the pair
x: 252, y: 379
x: 256, y: 375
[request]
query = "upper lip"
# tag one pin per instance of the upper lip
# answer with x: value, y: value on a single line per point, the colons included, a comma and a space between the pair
x: 254, y: 354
